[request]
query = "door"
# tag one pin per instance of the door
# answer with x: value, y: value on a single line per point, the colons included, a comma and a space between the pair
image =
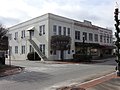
x: 31, y: 34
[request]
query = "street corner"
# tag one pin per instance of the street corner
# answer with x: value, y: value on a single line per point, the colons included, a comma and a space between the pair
x: 10, y: 70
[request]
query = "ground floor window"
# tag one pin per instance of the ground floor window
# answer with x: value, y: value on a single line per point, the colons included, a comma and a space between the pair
x: 31, y: 48
x: 23, y: 49
x: 94, y: 51
x: 16, y: 49
x: 42, y: 48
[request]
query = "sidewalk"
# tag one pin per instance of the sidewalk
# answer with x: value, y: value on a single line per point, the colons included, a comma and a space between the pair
x: 112, y: 84
x: 107, y: 82
x: 10, y: 70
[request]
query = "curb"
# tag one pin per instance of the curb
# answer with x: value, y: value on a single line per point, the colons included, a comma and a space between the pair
x: 12, y: 72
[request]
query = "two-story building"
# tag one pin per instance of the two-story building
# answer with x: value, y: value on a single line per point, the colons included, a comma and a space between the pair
x: 35, y: 35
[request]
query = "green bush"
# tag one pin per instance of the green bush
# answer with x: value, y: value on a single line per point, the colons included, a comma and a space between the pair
x: 33, y: 56
x: 83, y: 58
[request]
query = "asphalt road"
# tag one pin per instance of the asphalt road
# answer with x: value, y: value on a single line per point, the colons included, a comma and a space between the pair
x: 43, y: 76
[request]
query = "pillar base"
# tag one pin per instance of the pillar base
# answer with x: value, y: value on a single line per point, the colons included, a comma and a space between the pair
x: 118, y: 73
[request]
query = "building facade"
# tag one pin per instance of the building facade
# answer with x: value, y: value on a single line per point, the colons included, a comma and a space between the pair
x: 35, y: 35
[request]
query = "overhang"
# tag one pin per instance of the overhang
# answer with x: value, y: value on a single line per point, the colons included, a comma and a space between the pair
x: 31, y: 28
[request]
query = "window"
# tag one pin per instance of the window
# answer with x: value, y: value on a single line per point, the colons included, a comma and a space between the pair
x: 42, y: 29
x: 68, y: 31
x: 23, y: 34
x: 77, y: 35
x: 31, y: 48
x: 10, y: 36
x: 69, y: 51
x: 54, y: 29
x: 85, y: 36
x: 42, y: 48
x: 107, y: 38
x: 110, y: 38
x: 16, y: 35
x: 54, y: 52
x: 59, y: 30
x: 90, y: 37
x: 96, y: 37
x: 23, y: 49
x: 64, y: 30
x: 101, y: 38
x: 16, y: 49
x: 104, y: 38
x: 10, y: 50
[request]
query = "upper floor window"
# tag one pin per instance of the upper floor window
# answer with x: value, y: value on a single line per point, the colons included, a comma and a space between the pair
x: 110, y: 38
x: 41, y: 30
x: 107, y: 38
x: 101, y: 38
x: 96, y: 37
x: 68, y: 31
x: 104, y: 38
x: 59, y: 30
x: 64, y: 30
x: 10, y: 37
x: 16, y: 35
x: 85, y: 36
x: 77, y: 35
x: 54, y: 29
x: 90, y: 37
x: 23, y: 34
x: 16, y: 49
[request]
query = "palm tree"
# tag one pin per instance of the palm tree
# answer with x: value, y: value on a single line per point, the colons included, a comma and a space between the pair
x: 60, y: 42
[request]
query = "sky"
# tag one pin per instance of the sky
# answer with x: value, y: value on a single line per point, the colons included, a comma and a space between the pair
x: 99, y: 12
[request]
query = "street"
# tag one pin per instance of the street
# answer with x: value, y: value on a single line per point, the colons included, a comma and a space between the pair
x: 45, y: 76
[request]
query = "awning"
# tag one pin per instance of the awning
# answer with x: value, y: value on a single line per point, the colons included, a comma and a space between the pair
x: 86, y: 44
x: 107, y: 47
x: 94, y: 45
x: 31, y: 28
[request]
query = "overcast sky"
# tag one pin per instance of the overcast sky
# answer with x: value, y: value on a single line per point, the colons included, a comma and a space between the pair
x: 100, y: 12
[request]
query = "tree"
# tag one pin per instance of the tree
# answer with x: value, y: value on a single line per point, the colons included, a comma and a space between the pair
x: 60, y: 42
x: 3, y: 38
x: 117, y: 43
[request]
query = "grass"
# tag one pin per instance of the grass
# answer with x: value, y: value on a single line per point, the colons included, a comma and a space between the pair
x: 3, y: 68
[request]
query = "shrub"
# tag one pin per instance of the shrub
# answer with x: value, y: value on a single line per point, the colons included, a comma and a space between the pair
x: 33, y: 56
x: 78, y: 58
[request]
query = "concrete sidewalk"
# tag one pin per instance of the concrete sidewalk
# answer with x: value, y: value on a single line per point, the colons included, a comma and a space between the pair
x: 112, y: 84
x: 107, y: 82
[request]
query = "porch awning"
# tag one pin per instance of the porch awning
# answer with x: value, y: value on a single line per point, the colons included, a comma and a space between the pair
x: 93, y: 45
x: 87, y: 44
x: 31, y: 28
x: 107, y: 47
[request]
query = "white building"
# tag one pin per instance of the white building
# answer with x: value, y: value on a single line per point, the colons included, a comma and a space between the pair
x: 36, y: 34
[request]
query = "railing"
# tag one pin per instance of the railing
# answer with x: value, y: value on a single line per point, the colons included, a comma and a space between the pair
x: 37, y: 49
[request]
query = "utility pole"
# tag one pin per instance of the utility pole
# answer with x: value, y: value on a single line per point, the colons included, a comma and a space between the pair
x: 117, y: 43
